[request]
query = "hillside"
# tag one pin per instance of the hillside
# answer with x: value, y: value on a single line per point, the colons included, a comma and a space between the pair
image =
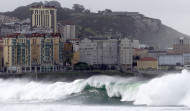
x: 90, y: 24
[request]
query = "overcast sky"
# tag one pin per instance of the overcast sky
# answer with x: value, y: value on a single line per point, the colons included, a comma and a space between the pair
x: 173, y: 13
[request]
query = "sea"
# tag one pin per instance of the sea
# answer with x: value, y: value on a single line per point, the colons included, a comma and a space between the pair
x: 170, y: 92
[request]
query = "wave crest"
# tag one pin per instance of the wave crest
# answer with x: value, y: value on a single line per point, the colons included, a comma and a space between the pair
x: 167, y: 90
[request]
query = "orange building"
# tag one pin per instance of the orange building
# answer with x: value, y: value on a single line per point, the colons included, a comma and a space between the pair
x: 68, y: 47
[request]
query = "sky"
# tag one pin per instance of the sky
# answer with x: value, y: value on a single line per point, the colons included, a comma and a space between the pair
x: 173, y: 13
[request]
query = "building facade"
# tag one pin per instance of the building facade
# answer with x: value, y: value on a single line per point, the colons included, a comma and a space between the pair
x: 69, y: 32
x: 126, y: 53
x: 141, y: 53
x: 44, y: 16
x: 147, y: 63
x: 181, y: 45
x: 136, y: 44
x: 99, y: 51
x: 17, y: 53
x: 1, y: 55
x: 108, y: 51
x: 186, y: 58
x: 33, y: 53
x: 170, y: 60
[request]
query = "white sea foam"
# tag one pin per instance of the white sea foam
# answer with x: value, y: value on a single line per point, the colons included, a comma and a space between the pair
x: 167, y: 90
x: 171, y: 89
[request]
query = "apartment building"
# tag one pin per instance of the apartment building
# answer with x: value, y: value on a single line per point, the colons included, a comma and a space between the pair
x: 109, y: 51
x: 125, y: 53
x: 33, y: 53
x: 181, y: 45
x: 69, y: 32
x: 171, y: 59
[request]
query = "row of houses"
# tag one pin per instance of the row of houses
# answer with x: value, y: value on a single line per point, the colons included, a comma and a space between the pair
x: 37, y: 52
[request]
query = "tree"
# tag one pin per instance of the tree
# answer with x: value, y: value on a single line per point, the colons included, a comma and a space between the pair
x: 108, y: 11
x: 78, y: 8
x: 81, y: 66
x: 87, y: 11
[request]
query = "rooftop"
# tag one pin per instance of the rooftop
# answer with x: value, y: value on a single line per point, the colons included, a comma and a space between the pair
x: 40, y: 6
x: 148, y: 59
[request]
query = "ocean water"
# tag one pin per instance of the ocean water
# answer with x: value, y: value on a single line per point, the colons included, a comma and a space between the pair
x: 98, y: 93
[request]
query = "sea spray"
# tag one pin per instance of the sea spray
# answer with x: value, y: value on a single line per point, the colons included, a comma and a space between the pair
x: 167, y: 90
x: 171, y: 89
x: 29, y: 90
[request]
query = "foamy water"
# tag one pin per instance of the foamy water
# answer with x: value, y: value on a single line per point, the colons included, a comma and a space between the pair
x: 169, y: 90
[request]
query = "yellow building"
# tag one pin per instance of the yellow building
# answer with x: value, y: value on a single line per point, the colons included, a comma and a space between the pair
x: 1, y: 54
x: 44, y: 16
x: 75, y: 58
x: 35, y: 42
x: 16, y: 52
x: 147, y: 62
x: 33, y: 53
x: 1, y: 58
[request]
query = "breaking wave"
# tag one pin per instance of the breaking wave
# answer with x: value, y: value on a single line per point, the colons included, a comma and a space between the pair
x: 173, y: 89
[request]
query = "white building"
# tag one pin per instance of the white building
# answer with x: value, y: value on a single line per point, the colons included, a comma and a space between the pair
x: 108, y: 51
x: 88, y: 50
x: 126, y: 48
x: 186, y: 57
x: 99, y: 51
x: 171, y: 59
x: 69, y: 32
x: 136, y: 44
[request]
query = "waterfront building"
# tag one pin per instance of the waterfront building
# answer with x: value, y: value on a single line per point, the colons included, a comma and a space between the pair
x: 44, y: 16
x: 98, y: 51
x: 147, y: 63
x: 1, y: 55
x: 186, y: 58
x: 170, y: 60
x: 76, y: 58
x: 108, y: 51
x: 76, y: 54
x: 181, y: 45
x: 125, y: 53
x: 33, y: 53
x: 17, y: 53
